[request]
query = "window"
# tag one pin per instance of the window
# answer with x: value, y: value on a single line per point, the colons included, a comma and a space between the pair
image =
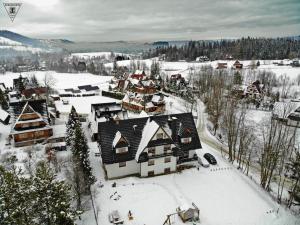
x: 160, y: 136
x: 25, y: 135
x: 151, y: 173
x: 121, y: 150
x: 167, y: 148
x: 167, y: 170
x: 39, y: 133
x: 150, y: 162
x: 151, y: 150
x: 122, y: 164
x: 167, y: 159
x: 186, y: 140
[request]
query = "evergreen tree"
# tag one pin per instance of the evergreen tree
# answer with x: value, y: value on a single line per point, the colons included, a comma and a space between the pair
x: 21, y: 85
x: 16, y: 199
x: 3, y: 101
x: 33, y: 82
x: 80, y: 151
x: 237, y: 78
x: 155, y: 70
x: 52, y: 198
x: 73, y: 119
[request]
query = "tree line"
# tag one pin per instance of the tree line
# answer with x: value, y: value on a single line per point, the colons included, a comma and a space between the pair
x: 243, y: 49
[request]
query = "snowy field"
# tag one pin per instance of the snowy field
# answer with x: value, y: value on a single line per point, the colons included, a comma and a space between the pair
x: 223, y: 195
x: 184, y: 67
x: 62, y: 80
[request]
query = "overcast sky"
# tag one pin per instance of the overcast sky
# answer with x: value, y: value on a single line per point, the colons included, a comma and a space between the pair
x: 145, y: 20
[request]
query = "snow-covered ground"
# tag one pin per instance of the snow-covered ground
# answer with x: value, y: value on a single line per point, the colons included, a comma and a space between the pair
x: 185, y: 67
x: 62, y: 80
x: 221, y: 192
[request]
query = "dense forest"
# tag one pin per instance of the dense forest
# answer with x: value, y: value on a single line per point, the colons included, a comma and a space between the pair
x: 244, y: 49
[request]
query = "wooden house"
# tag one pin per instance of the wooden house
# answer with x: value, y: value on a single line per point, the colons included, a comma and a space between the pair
x: 30, y: 128
x: 237, y: 65
x: 222, y: 66
x: 40, y: 91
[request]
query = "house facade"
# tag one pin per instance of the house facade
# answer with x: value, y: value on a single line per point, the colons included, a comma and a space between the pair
x: 293, y: 119
x: 30, y: 128
x: 148, y: 146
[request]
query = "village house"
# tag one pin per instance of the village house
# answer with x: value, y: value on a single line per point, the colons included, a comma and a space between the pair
x: 293, y: 119
x: 40, y: 91
x: 254, y: 90
x: 139, y: 102
x: 237, y: 65
x: 222, y: 66
x: 105, y: 112
x: 30, y: 128
x: 148, y: 146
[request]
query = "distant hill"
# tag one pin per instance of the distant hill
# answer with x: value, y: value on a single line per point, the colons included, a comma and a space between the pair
x: 21, y: 39
x: 14, y: 44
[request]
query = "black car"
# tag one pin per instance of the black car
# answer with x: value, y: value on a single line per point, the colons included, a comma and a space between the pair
x: 210, y: 158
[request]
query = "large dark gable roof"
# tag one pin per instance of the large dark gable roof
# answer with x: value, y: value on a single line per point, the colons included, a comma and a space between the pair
x: 107, y: 131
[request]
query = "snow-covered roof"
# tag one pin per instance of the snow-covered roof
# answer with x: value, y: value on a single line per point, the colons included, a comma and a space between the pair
x: 143, y: 114
x: 156, y: 98
x: 284, y: 109
x: 117, y: 138
x: 149, y: 105
x: 3, y: 115
x: 149, y: 131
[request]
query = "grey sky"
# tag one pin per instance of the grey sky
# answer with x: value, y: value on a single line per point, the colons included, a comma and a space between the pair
x: 145, y: 20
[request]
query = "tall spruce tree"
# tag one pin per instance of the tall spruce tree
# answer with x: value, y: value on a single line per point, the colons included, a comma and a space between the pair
x: 52, y: 198
x: 16, y: 199
x: 80, y: 151
x: 70, y: 126
x: 3, y: 101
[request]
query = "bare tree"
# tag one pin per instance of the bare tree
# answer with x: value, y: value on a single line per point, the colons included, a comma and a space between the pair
x: 49, y: 81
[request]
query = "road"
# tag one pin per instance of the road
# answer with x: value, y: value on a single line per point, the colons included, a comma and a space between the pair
x: 215, y: 144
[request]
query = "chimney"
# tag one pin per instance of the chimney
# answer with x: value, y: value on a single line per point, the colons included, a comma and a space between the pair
x: 134, y: 128
x: 173, y: 126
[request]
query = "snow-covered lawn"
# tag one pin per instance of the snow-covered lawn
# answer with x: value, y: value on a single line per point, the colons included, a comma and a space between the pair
x: 222, y: 193
x: 63, y: 80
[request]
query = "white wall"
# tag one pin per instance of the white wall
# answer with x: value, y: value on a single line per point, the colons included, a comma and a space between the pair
x: 114, y: 171
x: 293, y: 123
x: 191, y: 153
x: 159, y: 166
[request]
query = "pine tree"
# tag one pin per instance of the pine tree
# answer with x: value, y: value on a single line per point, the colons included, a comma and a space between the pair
x: 3, y: 101
x: 16, y: 199
x: 21, y: 85
x: 52, y: 198
x: 33, y: 82
x: 73, y: 119
x: 80, y: 151
x: 237, y: 78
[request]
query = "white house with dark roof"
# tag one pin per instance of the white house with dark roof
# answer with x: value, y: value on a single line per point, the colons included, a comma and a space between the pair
x: 148, y: 146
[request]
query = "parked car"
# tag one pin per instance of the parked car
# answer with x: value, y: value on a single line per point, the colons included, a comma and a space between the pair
x: 202, y: 161
x: 210, y: 158
x: 115, y: 218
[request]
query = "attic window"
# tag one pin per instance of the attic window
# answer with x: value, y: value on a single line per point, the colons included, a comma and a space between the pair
x: 121, y: 150
x: 160, y: 136
x: 186, y: 140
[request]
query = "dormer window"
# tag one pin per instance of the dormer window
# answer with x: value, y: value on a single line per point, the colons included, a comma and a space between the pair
x: 186, y: 140
x: 121, y: 150
x: 120, y: 144
x: 159, y: 136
